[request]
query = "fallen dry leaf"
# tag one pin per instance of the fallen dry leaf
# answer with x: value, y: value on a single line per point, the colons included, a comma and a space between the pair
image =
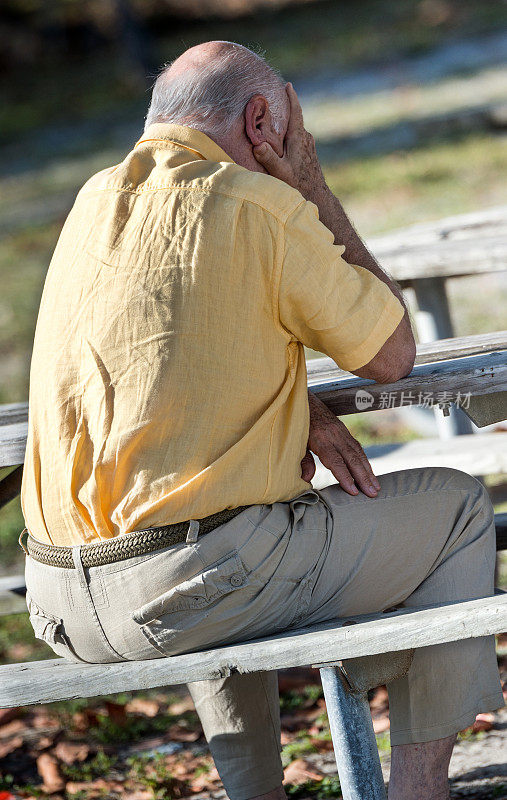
x: 8, y: 714
x: 300, y: 771
x: 323, y: 745
x: 70, y: 752
x: 44, y: 720
x: 178, y: 733
x: 483, y: 722
x: 204, y: 783
x: 116, y: 712
x: 380, y: 699
x: 138, y: 705
x: 10, y: 746
x: 301, y: 719
x: 100, y: 787
x: 82, y: 720
x: 47, y: 767
x: 181, y: 706
x: 11, y: 728
x: 43, y: 743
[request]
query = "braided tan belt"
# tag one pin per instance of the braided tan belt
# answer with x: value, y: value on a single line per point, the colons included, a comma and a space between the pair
x: 127, y: 545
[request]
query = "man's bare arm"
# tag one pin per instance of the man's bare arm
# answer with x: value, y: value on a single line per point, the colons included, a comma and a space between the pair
x: 299, y: 167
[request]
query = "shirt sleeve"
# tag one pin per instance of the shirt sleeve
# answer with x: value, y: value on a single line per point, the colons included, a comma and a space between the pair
x: 332, y: 306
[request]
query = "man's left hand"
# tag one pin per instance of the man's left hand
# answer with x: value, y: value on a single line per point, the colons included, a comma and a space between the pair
x: 337, y: 449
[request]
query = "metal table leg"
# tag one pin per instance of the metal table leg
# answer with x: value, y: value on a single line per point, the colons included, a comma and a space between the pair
x: 433, y: 321
x: 354, y: 742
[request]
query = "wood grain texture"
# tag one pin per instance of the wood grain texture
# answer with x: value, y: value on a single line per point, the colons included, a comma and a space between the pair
x: 11, y: 413
x: 57, y: 679
x: 465, y: 244
x: 12, y: 595
x: 325, y: 368
x: 484, y: 373
x: 13, y: 443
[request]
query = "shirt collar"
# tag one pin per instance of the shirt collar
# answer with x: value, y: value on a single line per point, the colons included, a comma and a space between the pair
x: 188, y: 138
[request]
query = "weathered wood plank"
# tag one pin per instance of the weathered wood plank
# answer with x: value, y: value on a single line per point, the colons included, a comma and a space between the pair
x: 480, y: 454
x: 12, y: 595
x: 12, y: 583
x: 460, y: 245
x: 447, y: 259
x: 458, y: 346
x: 427, y: 353
x: 57, y: 679
x: 479, y: 374
x: 13, y: 443
x: 12, y: 413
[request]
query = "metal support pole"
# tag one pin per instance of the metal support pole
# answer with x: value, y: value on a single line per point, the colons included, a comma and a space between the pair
x: 434, y: 322
x: 354, y: 742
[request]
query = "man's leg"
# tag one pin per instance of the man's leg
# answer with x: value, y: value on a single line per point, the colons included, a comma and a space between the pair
x: 427, y: 538
x: 430, y: 539
x: 420, y: 771
x: 240, y: 716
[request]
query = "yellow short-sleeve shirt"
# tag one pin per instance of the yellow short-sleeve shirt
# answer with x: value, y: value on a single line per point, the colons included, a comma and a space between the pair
x: 168, y: 378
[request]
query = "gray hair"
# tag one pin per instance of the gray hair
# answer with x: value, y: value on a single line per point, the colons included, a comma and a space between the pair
x: 213, y: 96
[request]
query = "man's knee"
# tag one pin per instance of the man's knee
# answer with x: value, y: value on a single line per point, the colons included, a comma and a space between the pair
x: 448, y: 478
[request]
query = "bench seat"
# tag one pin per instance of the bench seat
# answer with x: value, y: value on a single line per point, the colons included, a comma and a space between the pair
x: 319, y: 645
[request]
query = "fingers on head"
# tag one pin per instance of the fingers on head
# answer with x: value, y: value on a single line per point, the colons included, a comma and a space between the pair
x: 264, y: 153
x: 296, y: 112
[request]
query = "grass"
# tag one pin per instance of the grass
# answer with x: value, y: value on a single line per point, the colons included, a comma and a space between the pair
x: 293, y: 699
x: 432, y: 181
x: 97, y: 767
x: 152, y: 772
x: 328, y: 787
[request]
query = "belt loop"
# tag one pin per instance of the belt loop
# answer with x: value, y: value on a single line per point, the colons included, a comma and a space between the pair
x: 78, y: 563
x: 193, y: 531
x: 20, y: 540
x: 76, y: 557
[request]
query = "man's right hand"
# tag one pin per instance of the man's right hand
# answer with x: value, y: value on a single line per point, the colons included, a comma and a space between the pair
x: 299, y: 165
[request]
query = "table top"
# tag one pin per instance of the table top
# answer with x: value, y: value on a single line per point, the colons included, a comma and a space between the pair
x: 466, y: 244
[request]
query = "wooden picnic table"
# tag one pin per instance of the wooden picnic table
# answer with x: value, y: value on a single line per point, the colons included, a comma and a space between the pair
x: 424, y: 257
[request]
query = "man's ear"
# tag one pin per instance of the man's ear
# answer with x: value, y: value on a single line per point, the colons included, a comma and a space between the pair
x: 258, y: 124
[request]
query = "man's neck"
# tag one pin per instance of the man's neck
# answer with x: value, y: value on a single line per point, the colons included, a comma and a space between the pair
x: 239, y: 148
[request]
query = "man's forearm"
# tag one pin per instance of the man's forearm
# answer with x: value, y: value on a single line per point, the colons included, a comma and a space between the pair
x: 333, y: 216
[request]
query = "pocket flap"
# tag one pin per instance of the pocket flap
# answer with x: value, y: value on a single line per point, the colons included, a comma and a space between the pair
x: 199, y: 591
x: 45, y: 626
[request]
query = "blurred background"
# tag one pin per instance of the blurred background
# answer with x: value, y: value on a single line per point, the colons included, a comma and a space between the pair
x: 407, y: 102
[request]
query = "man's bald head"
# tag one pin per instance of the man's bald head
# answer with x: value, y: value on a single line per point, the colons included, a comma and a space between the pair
x: 209, y: 86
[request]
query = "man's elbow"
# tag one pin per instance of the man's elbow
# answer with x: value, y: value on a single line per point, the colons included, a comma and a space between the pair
x: 404, y: 365
x: 394, y: 361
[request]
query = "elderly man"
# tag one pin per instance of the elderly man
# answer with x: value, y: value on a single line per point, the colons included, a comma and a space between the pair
x: 166, y: 488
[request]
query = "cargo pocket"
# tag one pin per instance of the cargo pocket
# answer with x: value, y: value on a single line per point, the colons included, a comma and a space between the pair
x: 196, y: 613
x: 50, y: 630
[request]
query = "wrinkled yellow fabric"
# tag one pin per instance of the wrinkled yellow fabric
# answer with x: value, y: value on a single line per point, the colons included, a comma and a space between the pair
x: 168, y: 379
